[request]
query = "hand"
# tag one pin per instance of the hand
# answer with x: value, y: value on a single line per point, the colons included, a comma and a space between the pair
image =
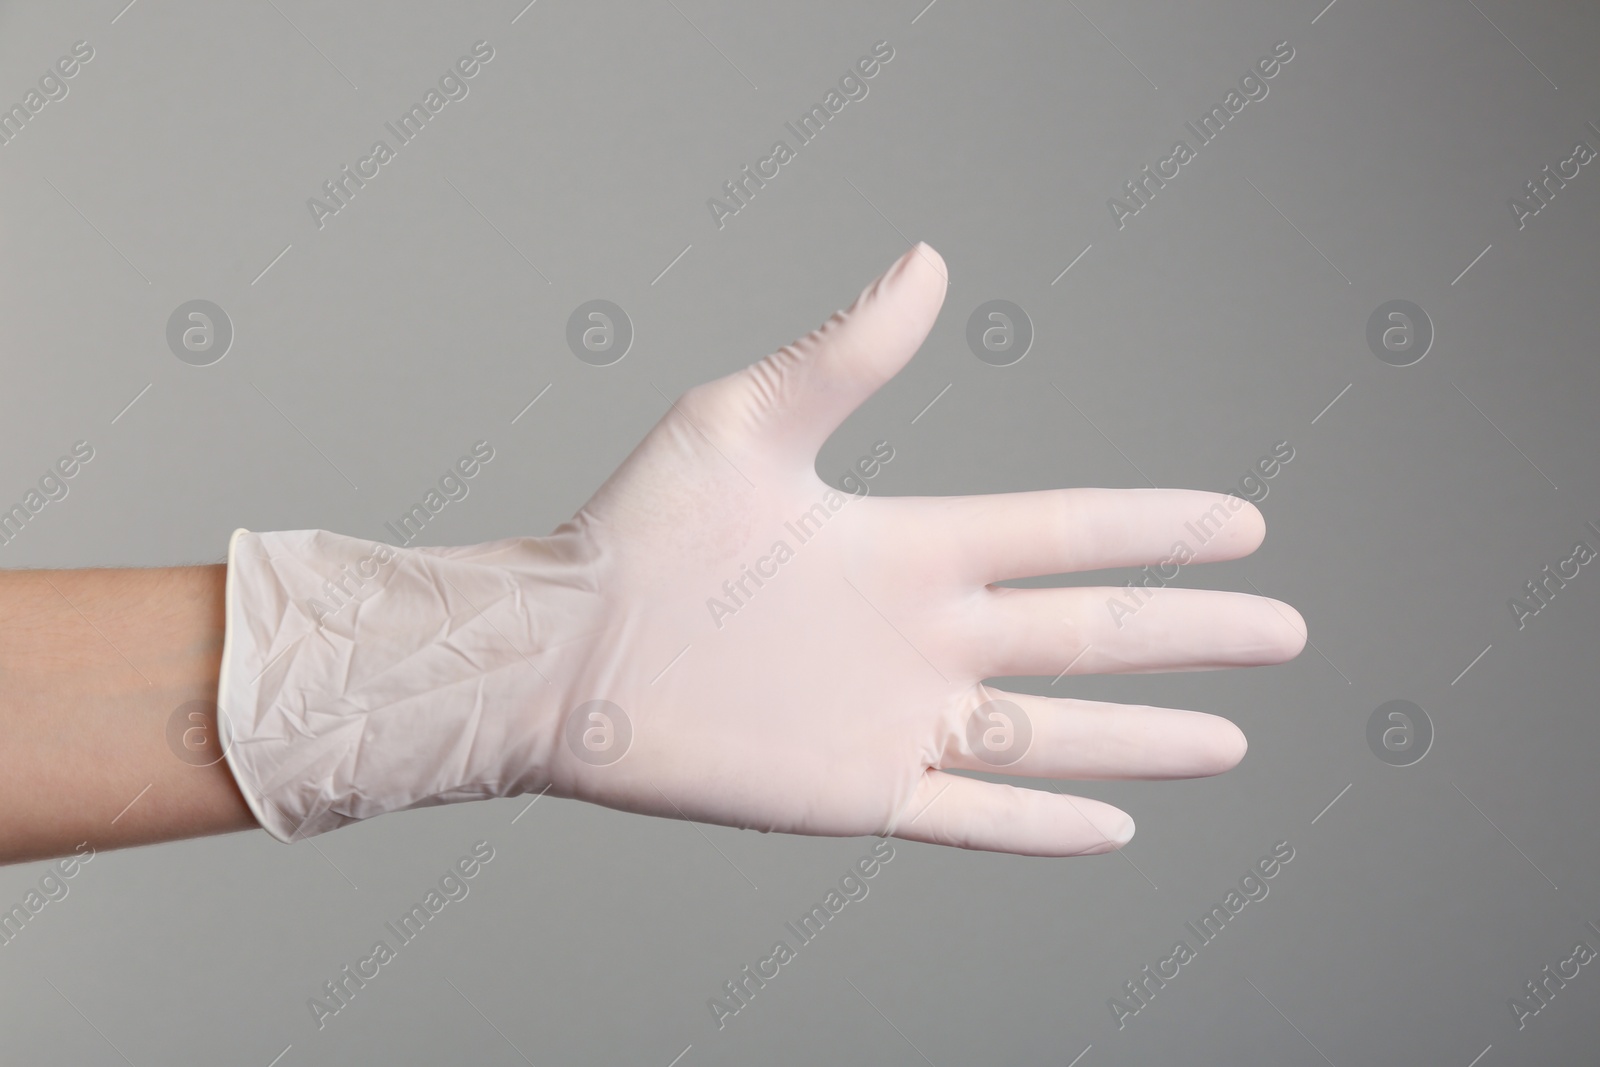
x: 718, y: 635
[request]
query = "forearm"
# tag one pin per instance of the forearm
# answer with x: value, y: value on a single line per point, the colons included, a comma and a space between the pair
x: 94, y: 667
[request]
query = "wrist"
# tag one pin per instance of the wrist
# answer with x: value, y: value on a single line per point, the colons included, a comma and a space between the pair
x: 359, y: 678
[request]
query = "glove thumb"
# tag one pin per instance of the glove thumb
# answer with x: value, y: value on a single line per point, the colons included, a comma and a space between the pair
x: 809, y: 387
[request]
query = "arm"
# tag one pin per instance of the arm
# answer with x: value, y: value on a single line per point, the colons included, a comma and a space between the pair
x: 717, y: 635
x: 94, y: 664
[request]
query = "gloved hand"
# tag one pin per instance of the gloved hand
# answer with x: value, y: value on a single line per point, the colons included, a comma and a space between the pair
x: 830, y: 693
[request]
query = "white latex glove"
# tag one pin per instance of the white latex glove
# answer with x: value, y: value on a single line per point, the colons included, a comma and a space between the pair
x: 833, y: 701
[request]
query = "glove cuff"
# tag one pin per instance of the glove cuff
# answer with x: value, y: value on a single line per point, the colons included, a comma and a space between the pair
x: 359, y: 678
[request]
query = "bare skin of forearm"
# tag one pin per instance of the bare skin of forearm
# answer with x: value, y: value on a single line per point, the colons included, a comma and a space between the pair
x: 95, y: 665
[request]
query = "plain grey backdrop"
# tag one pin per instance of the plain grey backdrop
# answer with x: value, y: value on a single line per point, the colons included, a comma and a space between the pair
x: 1227, y: 315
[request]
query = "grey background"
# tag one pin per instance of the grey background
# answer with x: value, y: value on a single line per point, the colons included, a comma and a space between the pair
x: 1221, y: 320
